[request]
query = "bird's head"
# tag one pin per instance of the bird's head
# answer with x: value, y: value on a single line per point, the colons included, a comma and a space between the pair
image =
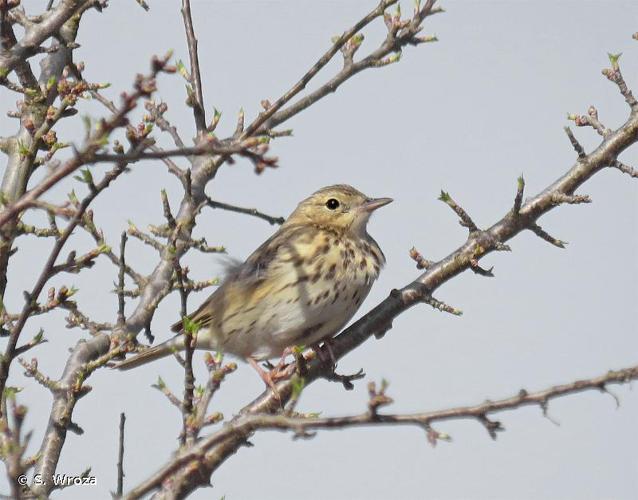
x: 340, y: 207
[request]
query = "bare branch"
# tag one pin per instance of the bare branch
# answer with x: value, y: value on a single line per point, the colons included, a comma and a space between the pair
x: 120, y: 458
x: 575, y: 144
x: 248, y: 423
x: 614, y: 75
x: 400, y: 34
x: 196, y: 80
x: 248, y: 211
x: 625, y: 169
x: 312, y: 72
x: 465, y: 219
x: 37, y: 33
x: 540, y: 232
x: 421, y: 262
x: 9, y: 353
x: 120, y: 287
x: 144, y: 86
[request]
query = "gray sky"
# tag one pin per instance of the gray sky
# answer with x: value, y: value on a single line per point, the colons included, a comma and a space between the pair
x: 469, y: 115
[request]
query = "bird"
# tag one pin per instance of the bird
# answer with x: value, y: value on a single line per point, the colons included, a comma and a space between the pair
x: 300, y: 287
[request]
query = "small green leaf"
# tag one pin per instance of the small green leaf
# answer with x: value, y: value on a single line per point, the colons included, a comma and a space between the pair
x: 445, y: 197
x: 613, y: 59
x: 181, y: 69
x: 11, y: 391
x: 38, y: 338
x: 87, y: 176
x: 191, y: 327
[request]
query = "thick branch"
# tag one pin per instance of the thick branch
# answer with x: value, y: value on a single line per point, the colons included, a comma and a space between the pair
x: 37, y: 33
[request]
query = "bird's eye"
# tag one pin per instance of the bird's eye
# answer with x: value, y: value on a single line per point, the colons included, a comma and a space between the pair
x: 332, y: 204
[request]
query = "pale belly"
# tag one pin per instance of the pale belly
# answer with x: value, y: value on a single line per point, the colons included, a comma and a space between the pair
x: 319, y: 313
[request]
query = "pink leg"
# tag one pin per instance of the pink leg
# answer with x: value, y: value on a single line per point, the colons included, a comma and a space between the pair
x: 265, y: 376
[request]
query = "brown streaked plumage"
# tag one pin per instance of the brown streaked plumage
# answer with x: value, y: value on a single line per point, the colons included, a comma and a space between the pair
x: 301, y: 286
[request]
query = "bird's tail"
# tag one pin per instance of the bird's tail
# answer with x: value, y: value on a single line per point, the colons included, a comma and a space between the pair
x: 151, y: 354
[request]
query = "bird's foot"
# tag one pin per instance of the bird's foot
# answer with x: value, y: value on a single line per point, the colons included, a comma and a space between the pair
x: 346, y: 380
x: 327, y: 357
x: 326, y: 354
x: 274, y: 373
x: 266, y: 376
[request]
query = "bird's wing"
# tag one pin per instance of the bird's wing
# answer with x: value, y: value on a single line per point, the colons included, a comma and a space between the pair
x: 247, y: 281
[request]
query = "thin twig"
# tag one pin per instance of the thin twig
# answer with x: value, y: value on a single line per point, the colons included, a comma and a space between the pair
x: 120, y: 286
x: 120, y: 458
x: 196, y: 80
x: 248, y: 211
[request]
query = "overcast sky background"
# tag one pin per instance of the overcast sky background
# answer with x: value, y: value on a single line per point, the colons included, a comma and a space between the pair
x: 468, y: 114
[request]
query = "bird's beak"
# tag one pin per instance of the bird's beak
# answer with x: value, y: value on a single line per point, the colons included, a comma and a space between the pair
x: 373, y: 204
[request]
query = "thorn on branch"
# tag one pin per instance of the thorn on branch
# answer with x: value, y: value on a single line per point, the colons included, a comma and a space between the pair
x: 544, y: 407
x: 575, y: 144
x: 75, y: 428
x: 538, y: 231
x: 477, y: 269
x: 167, y: 210
x: 465, y: 219
x: 492, y: 426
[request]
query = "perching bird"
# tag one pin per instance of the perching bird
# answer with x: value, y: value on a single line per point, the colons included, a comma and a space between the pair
x: 300, y: 287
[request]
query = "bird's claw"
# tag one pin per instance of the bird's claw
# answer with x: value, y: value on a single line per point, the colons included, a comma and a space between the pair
x: 346, y: 380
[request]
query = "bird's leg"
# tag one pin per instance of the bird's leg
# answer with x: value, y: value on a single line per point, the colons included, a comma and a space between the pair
x: 282, y: 370
x: 266, y: 376
x: 330, y: 358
